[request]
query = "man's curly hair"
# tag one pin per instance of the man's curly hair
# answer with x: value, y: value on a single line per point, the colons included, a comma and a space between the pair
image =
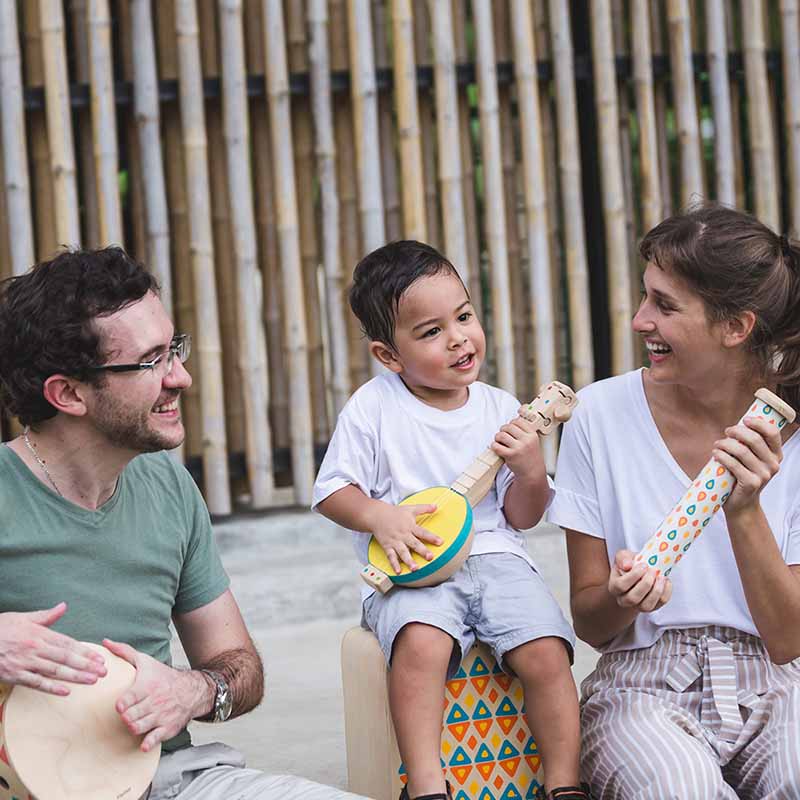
x: 47, y: 322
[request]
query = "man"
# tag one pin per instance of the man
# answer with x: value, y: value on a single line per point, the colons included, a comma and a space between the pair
x: 104, y: 537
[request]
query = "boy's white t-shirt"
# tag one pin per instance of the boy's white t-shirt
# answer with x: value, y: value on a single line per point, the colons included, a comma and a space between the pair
x: 390, y: 445
x: 616, y: 480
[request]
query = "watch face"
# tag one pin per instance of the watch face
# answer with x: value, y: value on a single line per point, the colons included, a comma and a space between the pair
x: 224, y: 703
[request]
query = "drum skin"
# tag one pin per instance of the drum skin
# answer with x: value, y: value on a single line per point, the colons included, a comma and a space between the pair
x: 75, y: 747
x: 452, y: 522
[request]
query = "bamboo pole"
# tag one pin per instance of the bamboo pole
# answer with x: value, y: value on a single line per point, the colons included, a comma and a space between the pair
x: 365, y: 119
x: 292, y: 280
x: 209, y: 349
x: 724, y: 164
x: 252, y: 362
x: 790, y: 48
x: 447, y: 135
x: 104, y: 123
x: 351, y: 250
x: 84, y: 137
x: 518, y: 310
x: 494, y: 208
x: 392, y: 203
x: 619, y: 281
x: 680, y: 25
x: 319, y: 58
x: 14, y: 156
x: 304, y: 160
x: 427, y: 125
x: 405, y: 81
x: 759, y: 117
x: 660, y: 94
x: 536, y: 199
x: 148, y: 119
x: 569, y: 166
x: 646, y: 112
x: 472, y: 225
x: 59, y: 123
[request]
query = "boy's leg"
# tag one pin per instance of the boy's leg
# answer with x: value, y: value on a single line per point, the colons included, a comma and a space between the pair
x: 422, y: 634
x: 417, y: 677
x: 551, y: 703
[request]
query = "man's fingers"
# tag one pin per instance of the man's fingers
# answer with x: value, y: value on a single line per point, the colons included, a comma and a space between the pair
x: 75, y: 656
x: 153, y: 739
x: 35, y: 680
x: 48, y: 616
x: 122, y: 650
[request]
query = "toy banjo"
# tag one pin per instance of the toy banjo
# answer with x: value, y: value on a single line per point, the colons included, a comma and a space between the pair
x: 452, y: 520
x: 73, y: 747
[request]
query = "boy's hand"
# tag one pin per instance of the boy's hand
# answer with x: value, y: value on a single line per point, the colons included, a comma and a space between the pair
x: 397, y: 532
x: 517, y: 443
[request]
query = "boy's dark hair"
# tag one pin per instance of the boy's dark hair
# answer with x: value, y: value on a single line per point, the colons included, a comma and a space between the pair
x: 46, y: 322
x: 380, y: 279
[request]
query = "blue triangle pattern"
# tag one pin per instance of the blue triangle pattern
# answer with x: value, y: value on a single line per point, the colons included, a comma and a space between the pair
x: 457, y: 714
x: 479, y: 668
x: 460, y: 758
x: 511, y: 793
x: 482, y: 711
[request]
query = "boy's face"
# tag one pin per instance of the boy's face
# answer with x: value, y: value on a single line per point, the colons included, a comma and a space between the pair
x: 439, y: 343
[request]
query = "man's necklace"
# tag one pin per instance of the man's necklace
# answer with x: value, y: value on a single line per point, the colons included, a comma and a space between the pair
x: 40, y: 462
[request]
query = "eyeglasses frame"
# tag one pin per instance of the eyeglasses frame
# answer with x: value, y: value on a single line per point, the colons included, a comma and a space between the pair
x: 176, y: 344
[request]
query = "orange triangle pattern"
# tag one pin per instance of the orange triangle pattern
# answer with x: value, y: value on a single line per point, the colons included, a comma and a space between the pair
x: 507, y: 723
x: 504, y: 680
x: 461, y: 773
x: 483, y: 726
x: 456, y: 686
x: 510, y: 765
x: 458, y: 730
x: 480, y: 684
x: 485, y: 769
x: 534, y: 762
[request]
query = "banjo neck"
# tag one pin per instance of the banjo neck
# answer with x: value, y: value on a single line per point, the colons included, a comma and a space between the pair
x: 551, y: 406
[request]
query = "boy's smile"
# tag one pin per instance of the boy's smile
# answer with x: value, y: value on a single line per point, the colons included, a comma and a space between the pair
x: 439, y: 343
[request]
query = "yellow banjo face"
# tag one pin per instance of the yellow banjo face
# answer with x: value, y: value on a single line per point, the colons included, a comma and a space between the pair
x: 448, y: 522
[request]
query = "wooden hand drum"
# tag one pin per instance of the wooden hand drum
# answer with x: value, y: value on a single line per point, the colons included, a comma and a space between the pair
x: 452, y: 520
x: 75, y: 747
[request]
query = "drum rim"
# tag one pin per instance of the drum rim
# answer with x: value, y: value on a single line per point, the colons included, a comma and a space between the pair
x: 446, y: 556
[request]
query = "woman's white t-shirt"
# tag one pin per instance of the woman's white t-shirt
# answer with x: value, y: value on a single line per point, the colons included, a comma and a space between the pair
x: 616, y: 480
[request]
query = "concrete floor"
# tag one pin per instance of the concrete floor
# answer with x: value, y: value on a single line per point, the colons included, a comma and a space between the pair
x: 295, y: 577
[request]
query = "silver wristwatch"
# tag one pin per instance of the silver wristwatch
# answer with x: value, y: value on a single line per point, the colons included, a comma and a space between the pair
x: 223, y: 701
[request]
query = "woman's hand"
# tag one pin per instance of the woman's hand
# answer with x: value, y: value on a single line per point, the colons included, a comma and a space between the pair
x: 752, y: 452
x: 636, y: 586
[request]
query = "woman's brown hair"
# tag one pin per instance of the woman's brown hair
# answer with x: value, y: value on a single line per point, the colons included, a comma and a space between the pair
x: 736, y: 263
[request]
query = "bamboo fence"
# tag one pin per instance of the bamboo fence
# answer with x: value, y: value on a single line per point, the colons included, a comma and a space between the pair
x: 250, y: 152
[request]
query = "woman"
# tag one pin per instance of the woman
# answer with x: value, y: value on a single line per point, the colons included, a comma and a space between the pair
x: 696, y: 694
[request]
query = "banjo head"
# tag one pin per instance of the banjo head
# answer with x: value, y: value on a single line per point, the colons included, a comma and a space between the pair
x: 75, y: 747
x: 452, y: 522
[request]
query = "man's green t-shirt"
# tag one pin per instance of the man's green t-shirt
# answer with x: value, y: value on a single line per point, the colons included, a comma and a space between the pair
x: 125, y: 569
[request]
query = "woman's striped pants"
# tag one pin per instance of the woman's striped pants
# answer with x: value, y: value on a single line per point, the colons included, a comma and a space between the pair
x: 702, y: 714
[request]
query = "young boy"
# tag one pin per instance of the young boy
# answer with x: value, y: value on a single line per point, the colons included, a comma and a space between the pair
x: 419, y: 424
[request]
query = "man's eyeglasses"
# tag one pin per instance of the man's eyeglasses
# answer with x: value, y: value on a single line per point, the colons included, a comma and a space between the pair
x: 180, y: 346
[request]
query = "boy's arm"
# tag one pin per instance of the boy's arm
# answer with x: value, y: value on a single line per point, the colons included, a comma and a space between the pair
x: 526, y: 498
x: 395, y: 527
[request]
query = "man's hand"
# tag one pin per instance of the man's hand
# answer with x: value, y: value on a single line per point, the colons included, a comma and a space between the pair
x: 397, y: 532
x: 636, y: 586
x: 517, y: 443
x: 162, y: 700
x: 33, y: 655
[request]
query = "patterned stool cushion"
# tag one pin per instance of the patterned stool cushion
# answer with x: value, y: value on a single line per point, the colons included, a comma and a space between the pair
x: 488, y: 752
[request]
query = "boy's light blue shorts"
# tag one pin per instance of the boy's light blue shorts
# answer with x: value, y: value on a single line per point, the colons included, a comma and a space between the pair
x: 497, y: 598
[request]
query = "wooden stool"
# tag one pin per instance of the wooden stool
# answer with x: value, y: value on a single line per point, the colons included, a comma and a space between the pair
x: 488, y: 752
